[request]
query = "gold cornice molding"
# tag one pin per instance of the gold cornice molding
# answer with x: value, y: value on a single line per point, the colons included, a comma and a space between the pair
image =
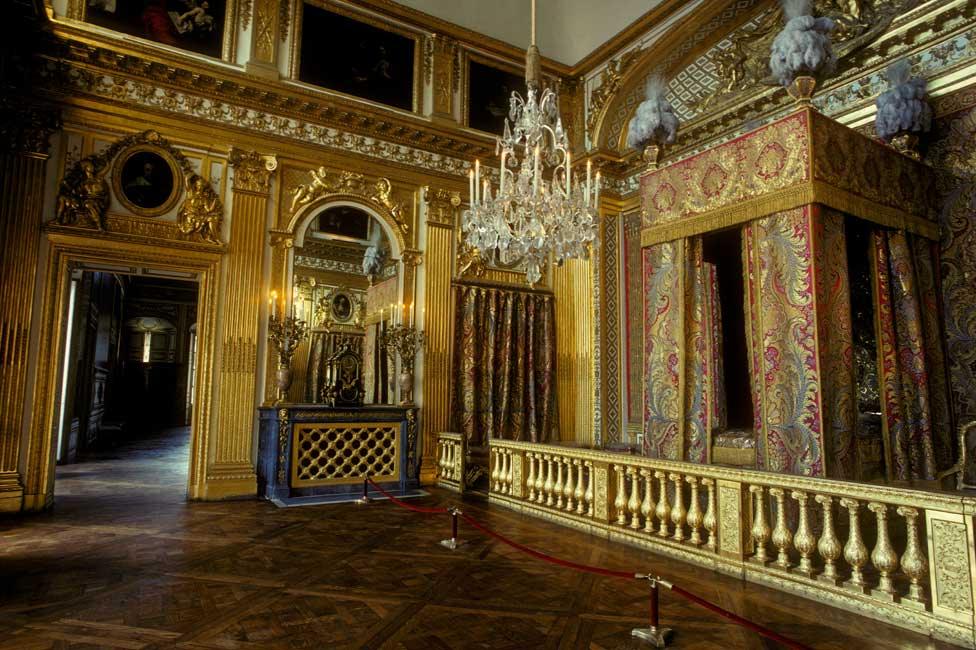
x: 73, y: 49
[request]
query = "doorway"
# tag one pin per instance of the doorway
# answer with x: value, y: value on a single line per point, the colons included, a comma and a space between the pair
x: 128, y: 367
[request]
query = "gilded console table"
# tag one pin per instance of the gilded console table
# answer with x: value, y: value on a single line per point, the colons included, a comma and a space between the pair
x: 308, y: 453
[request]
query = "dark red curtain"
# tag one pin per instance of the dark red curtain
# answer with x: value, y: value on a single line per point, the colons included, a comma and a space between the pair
x: 504, y: 372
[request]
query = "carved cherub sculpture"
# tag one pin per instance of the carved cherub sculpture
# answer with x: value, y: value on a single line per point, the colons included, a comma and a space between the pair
x: 84, y: 196
x: 201, y: 212
x: 306, y: 193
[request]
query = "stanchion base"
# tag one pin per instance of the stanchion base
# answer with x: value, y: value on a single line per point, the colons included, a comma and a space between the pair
x: 451, y: 543
x: 657, y: 636
x: 363, y: 501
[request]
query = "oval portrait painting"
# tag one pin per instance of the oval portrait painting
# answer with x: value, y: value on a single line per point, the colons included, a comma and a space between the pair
x: 146, y: 181
x: 341, y: 308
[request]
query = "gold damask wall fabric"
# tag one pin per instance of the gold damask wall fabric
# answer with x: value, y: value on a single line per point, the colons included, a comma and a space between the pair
x: 914, y: 402
x: 953, y: 156
x: 680, y: 352
x: 799, y: 336
x: 504, y: 365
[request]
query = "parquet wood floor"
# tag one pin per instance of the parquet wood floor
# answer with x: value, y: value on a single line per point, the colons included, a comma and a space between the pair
x: 123, y: 561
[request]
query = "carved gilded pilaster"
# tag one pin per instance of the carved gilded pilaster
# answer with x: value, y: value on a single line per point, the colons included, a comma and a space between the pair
x: 572, y: 285
x: 442, y: 206
x: 231, y: 467
x: 267, y: 15
x: 443, y: 68
x: 24, y: 135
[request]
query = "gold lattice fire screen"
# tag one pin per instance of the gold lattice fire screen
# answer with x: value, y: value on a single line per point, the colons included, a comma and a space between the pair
x: 344, y: 452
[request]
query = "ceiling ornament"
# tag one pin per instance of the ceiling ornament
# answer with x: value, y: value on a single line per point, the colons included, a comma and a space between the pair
x: 613, y: 74
x: 538, y: 212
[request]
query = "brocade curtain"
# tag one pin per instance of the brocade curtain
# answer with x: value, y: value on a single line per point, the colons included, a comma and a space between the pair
x: 504, y: 365
x: 911, y: 361
x: 798, y: 330
x: 684, y: 394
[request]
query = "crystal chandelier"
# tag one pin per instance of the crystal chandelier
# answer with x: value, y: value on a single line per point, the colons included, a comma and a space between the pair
x: 529, y: 218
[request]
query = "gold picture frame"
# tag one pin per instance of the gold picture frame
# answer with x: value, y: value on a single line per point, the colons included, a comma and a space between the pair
x: 155, y: 201
x: 294, y: 59
x: 78, y: 10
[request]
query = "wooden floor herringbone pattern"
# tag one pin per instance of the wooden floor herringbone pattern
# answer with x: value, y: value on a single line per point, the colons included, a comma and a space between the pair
x: 123, y: 561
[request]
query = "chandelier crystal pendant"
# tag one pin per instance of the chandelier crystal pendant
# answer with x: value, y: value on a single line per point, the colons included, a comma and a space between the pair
x: 530, y: 219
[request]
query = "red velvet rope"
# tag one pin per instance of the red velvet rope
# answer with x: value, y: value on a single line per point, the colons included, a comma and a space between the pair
x: 543, y: 556
x: 403, y: 504
x: 735, y: 618
x: 712, y: 607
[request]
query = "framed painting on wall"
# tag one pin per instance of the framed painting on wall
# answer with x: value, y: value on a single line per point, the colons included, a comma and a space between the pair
x: 146, y: 180
x: 341, y: 53
x: 488, y: 92
x: 194, y: 25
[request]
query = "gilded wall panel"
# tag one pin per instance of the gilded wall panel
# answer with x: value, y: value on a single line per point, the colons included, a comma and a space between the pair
x: 610, y: 328
x: 634, y: 322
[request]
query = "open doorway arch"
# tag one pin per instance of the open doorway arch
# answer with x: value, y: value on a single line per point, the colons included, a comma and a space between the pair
x: 68, y: 251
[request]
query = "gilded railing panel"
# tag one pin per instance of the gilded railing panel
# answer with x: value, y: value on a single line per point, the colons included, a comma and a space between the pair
x: 894, y: 554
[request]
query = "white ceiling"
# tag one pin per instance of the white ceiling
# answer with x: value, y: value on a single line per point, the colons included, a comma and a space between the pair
x: 568, y: 30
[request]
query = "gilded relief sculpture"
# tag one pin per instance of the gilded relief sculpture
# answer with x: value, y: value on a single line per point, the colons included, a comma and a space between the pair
x: 84, y: 195
x: 201, y: 212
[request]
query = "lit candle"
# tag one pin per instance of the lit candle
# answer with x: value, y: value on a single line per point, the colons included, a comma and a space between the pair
x: 596, y: 199
x: 568, y: 166
x: 471, y: 186
x: 535, y: 175
x: 589, y: 169
x: 410, y: 314
x: 477, y: 180
x: 501, y: 186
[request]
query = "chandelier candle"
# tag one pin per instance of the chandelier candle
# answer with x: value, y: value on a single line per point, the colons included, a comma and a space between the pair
x: 541, y: 212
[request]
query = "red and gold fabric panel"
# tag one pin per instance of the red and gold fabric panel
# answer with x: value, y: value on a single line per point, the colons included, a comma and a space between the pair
x: 682, y: 341
x: 504, y: 373
x: 904, y: 370
x: 836, y: 344
x: 782, y: 331
x: 663, y: 329
x: 714, y: 312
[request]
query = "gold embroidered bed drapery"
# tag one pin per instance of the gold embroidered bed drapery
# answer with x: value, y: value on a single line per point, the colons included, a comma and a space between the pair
x: 504, y: 365
x: 911, y: 362
x: 683, y: 374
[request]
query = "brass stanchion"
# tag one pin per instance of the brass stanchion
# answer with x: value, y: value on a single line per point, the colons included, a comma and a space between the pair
x: 453, y: 542
x: 655, y: 634
x: 363, y: 500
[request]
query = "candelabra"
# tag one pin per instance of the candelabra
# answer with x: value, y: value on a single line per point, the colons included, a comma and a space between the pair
x: 406, y: 341
x: 285, y: 333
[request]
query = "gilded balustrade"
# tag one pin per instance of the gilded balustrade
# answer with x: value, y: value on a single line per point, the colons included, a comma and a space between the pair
x: 450, y: 461
x: 897, y: 555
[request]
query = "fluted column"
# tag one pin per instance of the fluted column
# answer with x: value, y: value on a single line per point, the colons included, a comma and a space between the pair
x: 442, y: 207
x: 23, y: 160
x: 230, y: 467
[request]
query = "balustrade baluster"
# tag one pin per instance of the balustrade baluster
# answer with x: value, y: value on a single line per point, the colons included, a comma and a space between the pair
x: 634, y: 503
x: 503, y: 474
x: 760, y: 529
x: 588, y: 496
x: 829, y: 545
x: 694, y: 512
x: 540, y: 480
x: 883, y: 557
x: 913, y: 562
x: 647, y: 507
x: 568, y: 487
x: 558, y: 487
x: 580, y: 506
x: 620, y: 502
x: 663, y: 511
x: 855, y: 552
x: 805, y: 541
x: 530, y: 481
x: 678, y: 513
x: 442, y: 448
x: 547, y: 486
x: 710, y: 521
x: 453, y: 453
x: 782, y: 537
x: 495, y: 470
